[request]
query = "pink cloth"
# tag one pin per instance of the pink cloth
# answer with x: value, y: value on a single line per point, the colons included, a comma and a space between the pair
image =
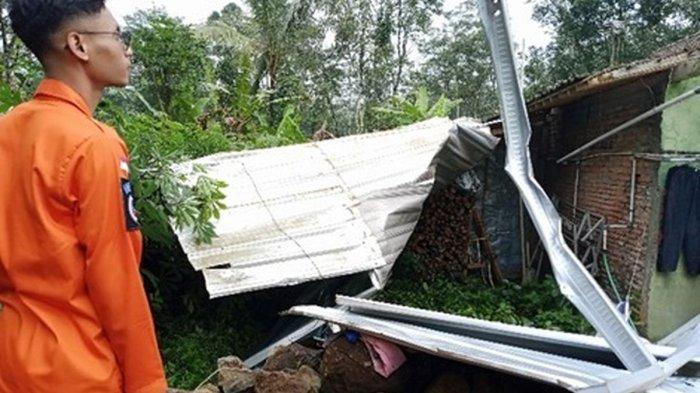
x: 386, y: 357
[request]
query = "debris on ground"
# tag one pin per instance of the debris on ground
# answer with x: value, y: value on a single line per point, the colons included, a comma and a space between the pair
x: 343, y: 364
x: 233, y: 376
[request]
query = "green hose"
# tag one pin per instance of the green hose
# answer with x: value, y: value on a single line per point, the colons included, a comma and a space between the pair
x: 610, y: 277
x: 614, y: 287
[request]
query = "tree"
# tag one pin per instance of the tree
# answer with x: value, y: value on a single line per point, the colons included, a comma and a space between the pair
x: 333, y: 61
x: 537, y: 75
x: 171, y: 67
x: 458, y: 64
x: 411, y: 17
x: 371, y: 42
x: 20, y: 70
x: 277, y: 52
x: 590, y: 35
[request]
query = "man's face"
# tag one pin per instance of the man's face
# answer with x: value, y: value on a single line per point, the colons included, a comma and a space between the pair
x: 107, y: 59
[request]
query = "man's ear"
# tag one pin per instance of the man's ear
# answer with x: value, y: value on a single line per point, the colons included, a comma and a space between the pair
x: 77, y: 45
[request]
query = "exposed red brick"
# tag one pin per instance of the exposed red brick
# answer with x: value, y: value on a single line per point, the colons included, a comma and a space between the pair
x: 604, y: 182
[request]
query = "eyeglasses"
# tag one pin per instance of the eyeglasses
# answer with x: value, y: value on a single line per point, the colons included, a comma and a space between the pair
x: 123, y: 36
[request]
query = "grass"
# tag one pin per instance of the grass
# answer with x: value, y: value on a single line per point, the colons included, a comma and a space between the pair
x: 539, y: 304
x: 192, y: 342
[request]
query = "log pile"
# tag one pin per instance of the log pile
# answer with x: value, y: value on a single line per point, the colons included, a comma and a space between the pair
x: 451, y: 239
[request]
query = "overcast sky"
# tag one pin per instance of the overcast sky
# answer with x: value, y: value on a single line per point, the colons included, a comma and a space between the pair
x: 524, y: 28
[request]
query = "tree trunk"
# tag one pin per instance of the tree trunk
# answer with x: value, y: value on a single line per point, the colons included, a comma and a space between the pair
x: 400, y: 47
x: 5, y: 44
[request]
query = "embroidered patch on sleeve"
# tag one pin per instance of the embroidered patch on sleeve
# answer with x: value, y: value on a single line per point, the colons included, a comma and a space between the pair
x: 124, y: 167
x: 132, y: 221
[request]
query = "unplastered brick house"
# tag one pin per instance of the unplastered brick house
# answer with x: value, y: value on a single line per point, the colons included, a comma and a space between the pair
x: 611, y: 196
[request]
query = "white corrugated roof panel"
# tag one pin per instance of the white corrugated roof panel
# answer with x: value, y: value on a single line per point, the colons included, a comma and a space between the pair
x: 323, y: 209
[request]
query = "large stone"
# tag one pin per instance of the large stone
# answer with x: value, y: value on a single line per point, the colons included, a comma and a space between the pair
x: 292, y: 357
x: 230, y: 362
x: 305, y: 380
x: 234, y: 376
x: 208, y: 388
x: 236, y: 380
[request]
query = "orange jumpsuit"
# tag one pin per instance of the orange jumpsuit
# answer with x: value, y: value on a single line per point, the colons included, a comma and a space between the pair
x: 74, y: 317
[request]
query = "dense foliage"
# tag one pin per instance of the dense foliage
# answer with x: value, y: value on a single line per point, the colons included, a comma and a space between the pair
x: 590, y: 35
x: 537, y: 304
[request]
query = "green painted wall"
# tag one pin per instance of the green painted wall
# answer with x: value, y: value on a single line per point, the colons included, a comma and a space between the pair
x: 674, y: 298
x: 680, y: 124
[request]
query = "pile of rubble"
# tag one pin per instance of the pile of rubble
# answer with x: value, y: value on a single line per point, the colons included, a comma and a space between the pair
x: 292, y: 369
x: 346, y: 366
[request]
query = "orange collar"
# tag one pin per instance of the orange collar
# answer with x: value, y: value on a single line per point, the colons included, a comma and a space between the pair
x: 55, y: 89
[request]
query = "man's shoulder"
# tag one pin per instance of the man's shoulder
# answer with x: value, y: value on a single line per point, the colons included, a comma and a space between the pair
x: 60, y: 123
x: 55, y: 118
x: 109, y: 130
x: 112, y: 134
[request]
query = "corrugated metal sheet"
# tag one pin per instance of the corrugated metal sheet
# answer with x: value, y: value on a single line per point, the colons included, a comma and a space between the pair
x: 569, y: 373
x: 607, y: 79
x: 580, y: 346
x: 684, y: 53
x: 324, y: 209
x: 683, y: 333
x: 574, y: 281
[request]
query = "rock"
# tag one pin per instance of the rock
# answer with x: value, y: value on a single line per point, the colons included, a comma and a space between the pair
x: 347, y: 368
x: 208, y: 388
x: 449, y: 382
x: 234, y: 376
x: 305, y: 380
x: 235, y: 380
x: 230, y: 362
x: 310, y: 375
x: 292, y: 357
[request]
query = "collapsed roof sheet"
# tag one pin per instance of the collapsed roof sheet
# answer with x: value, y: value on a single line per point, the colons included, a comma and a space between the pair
x: 565, y: 371
x: 324, y: 209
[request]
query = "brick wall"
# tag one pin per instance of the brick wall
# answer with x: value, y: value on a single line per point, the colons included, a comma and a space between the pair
x: 604, y: 177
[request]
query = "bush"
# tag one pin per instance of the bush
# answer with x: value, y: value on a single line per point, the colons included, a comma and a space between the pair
x: 8, y: 97
x: 539, y: 304
x: 156, y: 144
x: 164, y: 196
x: 399, y: 111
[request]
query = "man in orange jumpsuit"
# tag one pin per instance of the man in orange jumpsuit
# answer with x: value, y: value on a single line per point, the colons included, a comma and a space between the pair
x: 74, y: 317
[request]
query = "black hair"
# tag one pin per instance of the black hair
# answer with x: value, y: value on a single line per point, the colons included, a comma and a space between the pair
x: 34, y: 21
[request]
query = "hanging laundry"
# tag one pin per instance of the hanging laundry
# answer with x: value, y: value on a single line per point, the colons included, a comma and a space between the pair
x: 681, y: 221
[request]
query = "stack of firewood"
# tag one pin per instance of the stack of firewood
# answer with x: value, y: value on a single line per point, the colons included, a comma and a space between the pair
x: 450, y: 237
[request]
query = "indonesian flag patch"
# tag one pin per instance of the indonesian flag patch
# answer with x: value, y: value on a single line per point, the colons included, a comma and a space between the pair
x: 124, y: 167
